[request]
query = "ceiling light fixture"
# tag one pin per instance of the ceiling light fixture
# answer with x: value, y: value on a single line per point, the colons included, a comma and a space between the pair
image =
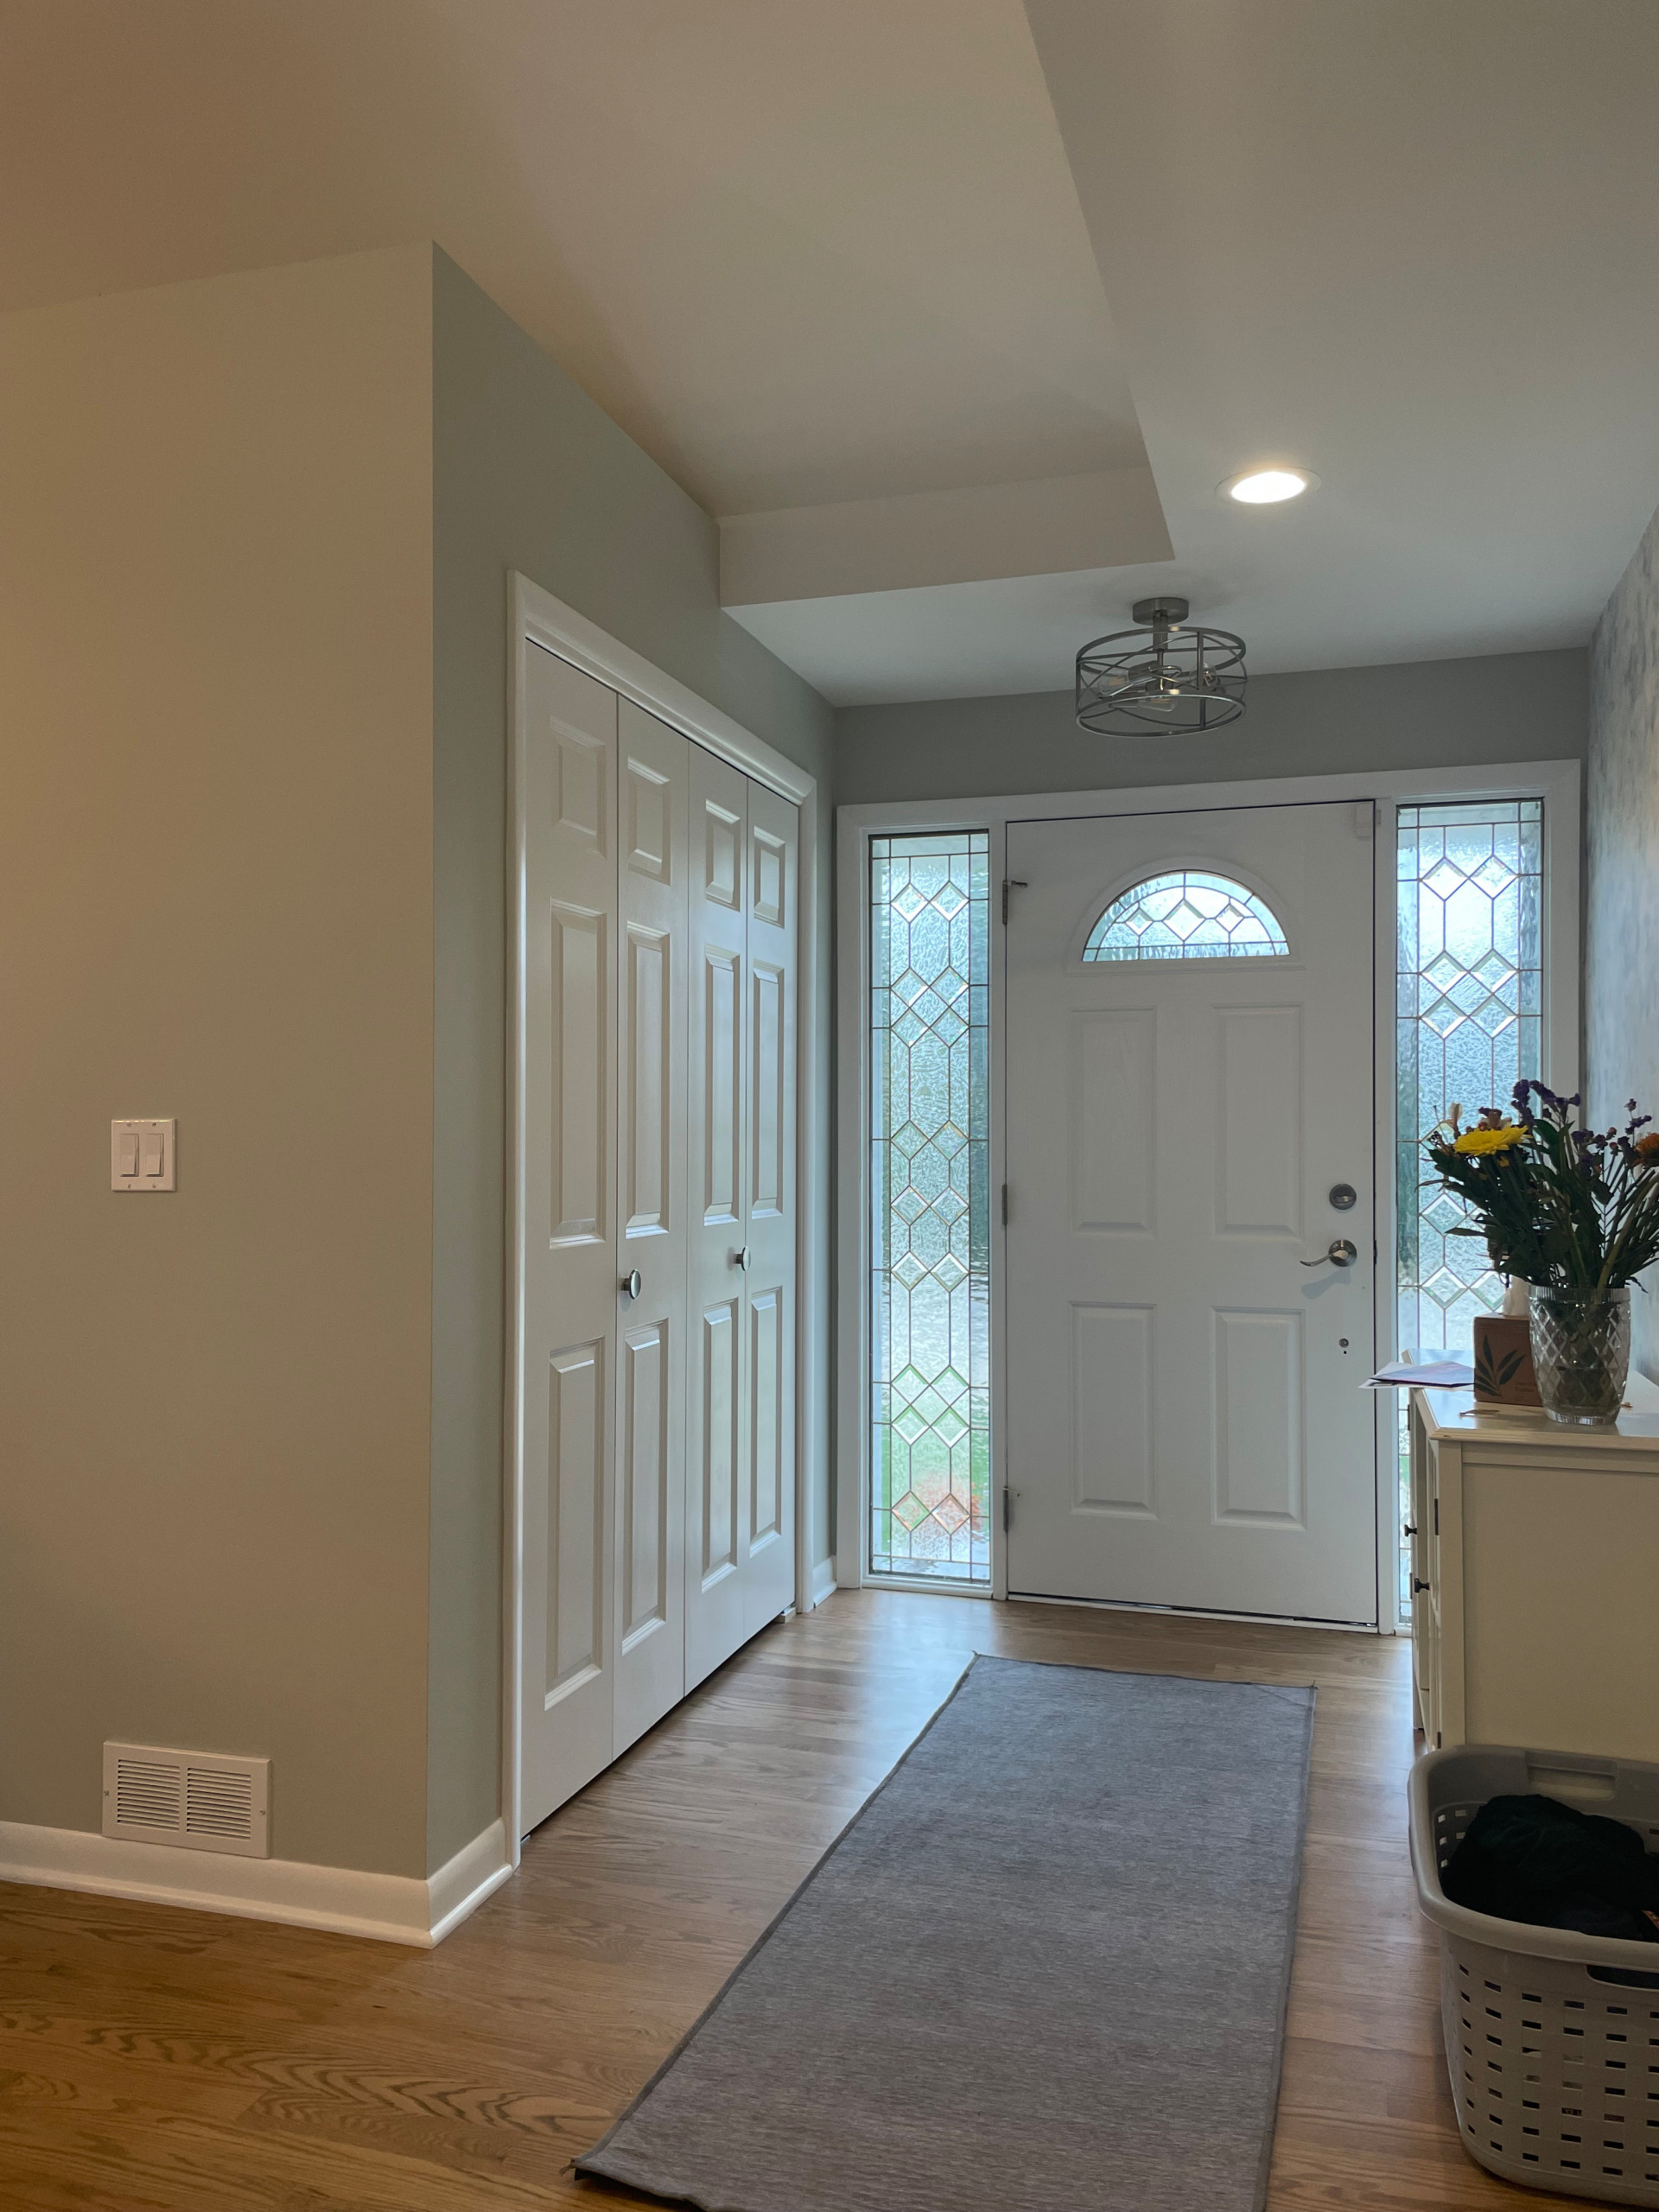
x: 1164, y: 677
x: 1264, y: 487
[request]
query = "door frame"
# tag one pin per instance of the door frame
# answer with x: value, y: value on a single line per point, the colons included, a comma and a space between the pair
x: 536, y: 618
x: 1558, y: 783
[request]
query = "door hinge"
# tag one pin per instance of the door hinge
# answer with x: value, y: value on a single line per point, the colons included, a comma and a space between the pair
x: 1005, y: 1205
x: 1011, y: 883
x: 1007, y: 1508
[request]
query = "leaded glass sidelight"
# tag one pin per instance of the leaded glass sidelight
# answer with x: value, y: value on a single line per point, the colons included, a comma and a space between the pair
x: 929, y: 1228
x: 1470, y: 1011
x: 1186, y: 913
x: 1469, y: 1008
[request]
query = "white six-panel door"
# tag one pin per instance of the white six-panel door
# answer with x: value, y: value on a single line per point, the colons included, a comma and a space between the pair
x: 569, y: 1232
x: 741, y: 1421
x: 769, y: 1278
x: 655, y: 787
x: 1185, y: 1423
x: 658, y: 1033
x: 716, y: 1426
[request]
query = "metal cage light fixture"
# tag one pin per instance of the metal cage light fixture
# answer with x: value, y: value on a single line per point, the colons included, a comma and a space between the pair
x: 1164, y: 677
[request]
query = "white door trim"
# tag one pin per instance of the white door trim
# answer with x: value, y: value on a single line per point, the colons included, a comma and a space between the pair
x: 536, y: 617
x: 1558, y: 783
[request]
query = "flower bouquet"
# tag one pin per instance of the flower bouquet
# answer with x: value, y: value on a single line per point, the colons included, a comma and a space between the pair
x: 1574, y: 1214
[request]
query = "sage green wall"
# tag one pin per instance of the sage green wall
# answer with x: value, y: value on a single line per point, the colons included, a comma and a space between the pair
x: 253, y: 835
x: 1620, y: 998
x: 216, y: 903
x: 529, y: 474
x: 1412, y: 715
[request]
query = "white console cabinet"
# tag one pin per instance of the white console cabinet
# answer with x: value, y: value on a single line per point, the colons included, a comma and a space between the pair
x: 1536, y: 1566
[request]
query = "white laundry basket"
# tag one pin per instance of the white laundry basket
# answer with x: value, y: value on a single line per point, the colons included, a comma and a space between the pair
x: 1552, y: 2038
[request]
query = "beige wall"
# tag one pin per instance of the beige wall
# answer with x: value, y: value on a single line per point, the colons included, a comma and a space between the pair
x: 529, y: 474
x: 216, y: 902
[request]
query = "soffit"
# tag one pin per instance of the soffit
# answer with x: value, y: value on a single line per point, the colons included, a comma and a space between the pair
x: 802, y: 253
x: 1413, y: 245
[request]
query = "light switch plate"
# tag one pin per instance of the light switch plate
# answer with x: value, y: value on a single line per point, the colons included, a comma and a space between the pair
x: 143, y: 1155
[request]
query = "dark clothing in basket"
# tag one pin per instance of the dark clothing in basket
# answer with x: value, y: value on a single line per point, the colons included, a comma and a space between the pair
x: 1537, y: 1860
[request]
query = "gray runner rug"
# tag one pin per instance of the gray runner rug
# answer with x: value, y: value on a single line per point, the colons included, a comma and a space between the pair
x: 1043, y: 1970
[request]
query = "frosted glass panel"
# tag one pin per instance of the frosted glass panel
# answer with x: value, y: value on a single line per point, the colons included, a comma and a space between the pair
x: 1469, y: 1007
x: 930, y: 1228
x: 1469, y: 1014
x: 1186, y: 913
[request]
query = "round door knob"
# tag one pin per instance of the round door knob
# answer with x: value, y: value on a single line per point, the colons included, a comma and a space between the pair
x: 740, y: 1259
x: 1418, y: 1585
x: 1341, y: 1252
x: 632, y: 1284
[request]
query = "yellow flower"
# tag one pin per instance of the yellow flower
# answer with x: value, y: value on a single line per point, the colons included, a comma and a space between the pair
x: 1491, y: 1139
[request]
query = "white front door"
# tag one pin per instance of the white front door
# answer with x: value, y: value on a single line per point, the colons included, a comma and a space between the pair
x: 1186, y: 1424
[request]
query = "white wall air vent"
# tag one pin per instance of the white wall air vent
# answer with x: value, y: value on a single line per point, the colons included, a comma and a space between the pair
x: 193, y: 1798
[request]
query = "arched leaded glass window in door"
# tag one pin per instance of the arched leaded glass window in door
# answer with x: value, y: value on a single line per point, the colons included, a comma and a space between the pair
x: 1187, y: 914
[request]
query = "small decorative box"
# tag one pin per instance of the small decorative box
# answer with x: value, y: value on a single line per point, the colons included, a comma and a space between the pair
x: 1503, y: 1373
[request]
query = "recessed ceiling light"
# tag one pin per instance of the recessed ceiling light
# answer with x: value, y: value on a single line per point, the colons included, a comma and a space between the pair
x: 1262, y: 487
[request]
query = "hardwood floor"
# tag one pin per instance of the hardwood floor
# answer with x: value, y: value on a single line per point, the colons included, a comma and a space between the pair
x: 157, y: 2061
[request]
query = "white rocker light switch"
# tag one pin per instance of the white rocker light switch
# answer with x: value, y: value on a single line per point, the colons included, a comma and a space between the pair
x: 142, y: 1155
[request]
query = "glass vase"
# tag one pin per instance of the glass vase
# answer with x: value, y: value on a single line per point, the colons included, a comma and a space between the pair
x: 1580, y: 1353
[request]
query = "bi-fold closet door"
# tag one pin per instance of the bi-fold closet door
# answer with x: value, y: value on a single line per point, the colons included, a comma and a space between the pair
x: 657, y: 1374
x: 741, y: 1400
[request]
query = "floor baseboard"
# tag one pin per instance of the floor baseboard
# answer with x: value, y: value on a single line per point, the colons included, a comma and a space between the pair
x: 460, y: 1885
x: 823, y: 1580
x: 387, y: 1908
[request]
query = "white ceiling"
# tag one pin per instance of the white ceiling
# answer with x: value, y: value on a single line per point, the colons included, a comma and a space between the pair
x: 845, y: 267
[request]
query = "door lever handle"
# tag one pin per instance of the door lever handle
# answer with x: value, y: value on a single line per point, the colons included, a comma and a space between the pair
x: 1341, y: 1252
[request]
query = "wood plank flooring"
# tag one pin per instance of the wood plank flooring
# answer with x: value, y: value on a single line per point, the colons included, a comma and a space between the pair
x: 159, y: 2061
